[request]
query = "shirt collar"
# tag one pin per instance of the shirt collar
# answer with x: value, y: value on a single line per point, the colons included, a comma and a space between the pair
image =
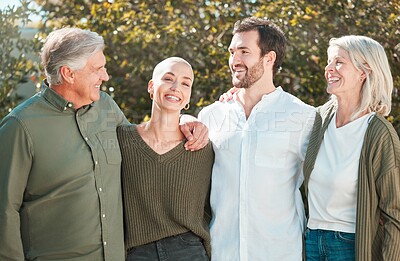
x: 272, y: 95
x: 57, y: 100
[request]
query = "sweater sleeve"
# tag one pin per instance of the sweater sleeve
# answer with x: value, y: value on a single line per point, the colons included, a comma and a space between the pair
x: 388, y: 189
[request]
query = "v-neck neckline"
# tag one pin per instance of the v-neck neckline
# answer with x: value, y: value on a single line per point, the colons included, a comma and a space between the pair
x: 142, y: 145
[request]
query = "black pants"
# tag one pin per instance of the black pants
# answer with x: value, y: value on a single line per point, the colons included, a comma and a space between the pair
x: 182, y: 247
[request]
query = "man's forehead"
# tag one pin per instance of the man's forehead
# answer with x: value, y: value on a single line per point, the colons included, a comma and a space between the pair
x: 244, y: 39
x: 96, y: 61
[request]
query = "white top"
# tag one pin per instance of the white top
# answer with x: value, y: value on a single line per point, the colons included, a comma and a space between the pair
x: 332, y: 189
x: 257, y: 208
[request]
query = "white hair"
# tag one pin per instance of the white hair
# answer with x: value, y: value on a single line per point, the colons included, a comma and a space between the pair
x: 68, y: 47
x: 368, y: 56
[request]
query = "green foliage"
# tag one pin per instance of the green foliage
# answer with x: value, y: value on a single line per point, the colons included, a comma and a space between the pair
x: 139, y: 34
x: 14, y: 66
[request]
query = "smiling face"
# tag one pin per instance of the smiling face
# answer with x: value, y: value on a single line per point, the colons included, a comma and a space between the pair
x: 245, y: 59
x: 343, y: 78
x: 86, y: 86
x: 171, y: 85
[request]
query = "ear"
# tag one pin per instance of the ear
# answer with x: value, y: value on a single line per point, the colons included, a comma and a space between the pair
x: 363, y: 76
x: 67, y: 74
x: 150, y: 87
x: 270, y: 58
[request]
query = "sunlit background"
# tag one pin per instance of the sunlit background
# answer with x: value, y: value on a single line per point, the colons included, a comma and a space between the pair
x: 140, y: 33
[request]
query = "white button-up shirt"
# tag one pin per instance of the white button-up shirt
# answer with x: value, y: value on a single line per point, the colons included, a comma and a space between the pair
x: 258, y: 212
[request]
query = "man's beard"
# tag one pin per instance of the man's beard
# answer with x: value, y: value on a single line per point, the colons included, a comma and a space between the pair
x: 252, y: 75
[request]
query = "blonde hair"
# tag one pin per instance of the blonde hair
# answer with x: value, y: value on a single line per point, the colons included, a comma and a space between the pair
x: 368, y: 56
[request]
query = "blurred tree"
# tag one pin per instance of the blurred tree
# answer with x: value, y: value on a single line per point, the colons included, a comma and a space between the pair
x: 15, y: 68
x: 139, y: 34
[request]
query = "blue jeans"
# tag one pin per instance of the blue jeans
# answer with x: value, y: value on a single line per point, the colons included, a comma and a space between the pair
x: 326, y: 245
x: 183, y: 247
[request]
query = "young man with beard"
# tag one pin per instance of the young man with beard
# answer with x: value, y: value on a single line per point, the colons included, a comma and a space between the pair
x: 260, y: 139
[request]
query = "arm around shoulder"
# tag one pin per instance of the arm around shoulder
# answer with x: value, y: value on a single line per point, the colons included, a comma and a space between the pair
x: 195, y: 132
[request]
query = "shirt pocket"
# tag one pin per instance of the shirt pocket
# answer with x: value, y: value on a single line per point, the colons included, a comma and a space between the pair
x: 272, y: 149
x: 109, y: 143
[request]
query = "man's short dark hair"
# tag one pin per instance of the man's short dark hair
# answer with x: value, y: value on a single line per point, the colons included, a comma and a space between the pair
x: 271, y: 37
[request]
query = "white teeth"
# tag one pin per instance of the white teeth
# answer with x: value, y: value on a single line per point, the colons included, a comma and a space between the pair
x: 333, y: 79
x: 97, y: 86
x: 172, y: 97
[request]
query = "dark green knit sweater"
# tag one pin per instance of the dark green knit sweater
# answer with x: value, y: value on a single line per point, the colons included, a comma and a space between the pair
x: 164, y: 195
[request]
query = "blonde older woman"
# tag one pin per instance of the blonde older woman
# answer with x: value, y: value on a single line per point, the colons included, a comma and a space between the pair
x: 352, y: 165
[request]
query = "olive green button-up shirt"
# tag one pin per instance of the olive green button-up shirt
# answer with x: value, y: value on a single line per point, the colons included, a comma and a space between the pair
x: 60, y: 194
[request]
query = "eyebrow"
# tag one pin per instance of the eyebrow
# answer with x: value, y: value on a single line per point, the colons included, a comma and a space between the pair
x: 337, y: 56
x: 239, y: 48
x: 97, y: 67
x: 175, y: 75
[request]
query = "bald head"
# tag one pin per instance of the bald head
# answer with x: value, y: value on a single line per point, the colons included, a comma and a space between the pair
x: 164, y: 65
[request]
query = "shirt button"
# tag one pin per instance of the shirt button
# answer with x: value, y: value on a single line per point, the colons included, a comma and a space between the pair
x: 100, y: 189
x: 70, y: 105
x: 65, y: 108
x: 105, y: 243
x: 86, y: 138
x: 96, y: 162
x: 104, y: 215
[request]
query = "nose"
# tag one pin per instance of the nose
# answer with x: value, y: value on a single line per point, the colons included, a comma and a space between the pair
x: 104, y: 76
x: 329, y: 66
x: 235, y: 59
x: 174, y: 85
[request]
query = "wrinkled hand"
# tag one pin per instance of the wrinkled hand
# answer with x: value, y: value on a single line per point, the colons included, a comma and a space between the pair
x: 227, y: 96
x: 196, y: 133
